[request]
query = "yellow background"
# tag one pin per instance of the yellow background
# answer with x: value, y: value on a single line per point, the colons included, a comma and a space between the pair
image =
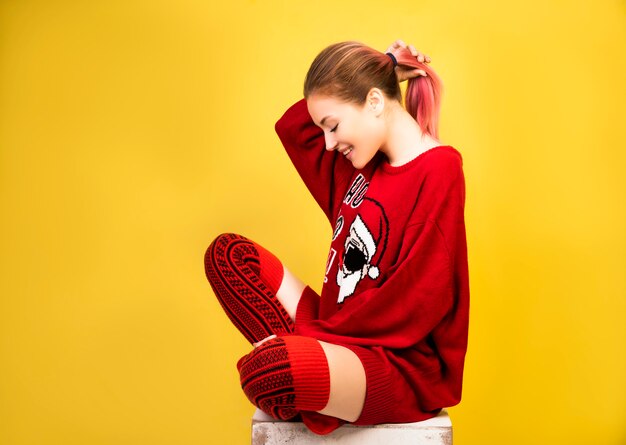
x: 134, y: 132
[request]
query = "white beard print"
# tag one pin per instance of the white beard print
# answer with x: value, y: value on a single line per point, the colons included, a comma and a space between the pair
x: 347, y: 282
x: 358, y: 259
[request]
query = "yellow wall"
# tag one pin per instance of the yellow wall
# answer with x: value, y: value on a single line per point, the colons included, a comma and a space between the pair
x: 133, y: 132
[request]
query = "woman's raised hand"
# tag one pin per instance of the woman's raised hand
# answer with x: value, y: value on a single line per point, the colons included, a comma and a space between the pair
x: 404, y: 73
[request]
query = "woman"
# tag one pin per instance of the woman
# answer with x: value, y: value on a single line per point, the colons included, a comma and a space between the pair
x: 386, y: 341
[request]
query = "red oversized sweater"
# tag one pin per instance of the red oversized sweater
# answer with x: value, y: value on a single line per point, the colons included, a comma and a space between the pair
x: 396, y: 288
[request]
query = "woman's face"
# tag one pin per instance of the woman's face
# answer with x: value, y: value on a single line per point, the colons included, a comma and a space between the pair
x: 356, y: 132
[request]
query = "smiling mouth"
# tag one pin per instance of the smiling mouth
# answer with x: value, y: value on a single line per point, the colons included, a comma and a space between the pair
x: 346, y: 152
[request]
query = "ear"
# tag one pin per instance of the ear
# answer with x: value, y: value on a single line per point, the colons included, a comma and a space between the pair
x: 375, y: 101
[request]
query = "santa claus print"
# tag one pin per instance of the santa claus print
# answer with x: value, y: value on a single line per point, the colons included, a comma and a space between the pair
x: 363, y: 248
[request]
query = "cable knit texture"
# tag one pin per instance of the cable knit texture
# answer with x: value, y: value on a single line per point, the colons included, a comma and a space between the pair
x: 285, y: 375
x: 245, y: 278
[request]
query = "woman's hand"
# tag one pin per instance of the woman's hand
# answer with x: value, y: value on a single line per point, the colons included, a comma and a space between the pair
x: 404, y: 73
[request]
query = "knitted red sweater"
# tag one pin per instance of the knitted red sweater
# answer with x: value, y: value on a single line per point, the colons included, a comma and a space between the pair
x: 396, y: 288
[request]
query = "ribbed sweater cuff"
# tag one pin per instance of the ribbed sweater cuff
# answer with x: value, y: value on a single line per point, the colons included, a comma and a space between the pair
x: 311, y: 375
x: 308, y: 306
x: 378, y: 398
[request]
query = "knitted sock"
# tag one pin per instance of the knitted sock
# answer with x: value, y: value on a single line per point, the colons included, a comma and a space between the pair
x: 285, y: 375
x: 245, y: 278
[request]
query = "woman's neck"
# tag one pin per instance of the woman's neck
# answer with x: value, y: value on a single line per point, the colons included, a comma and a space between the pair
x: 405, y: 139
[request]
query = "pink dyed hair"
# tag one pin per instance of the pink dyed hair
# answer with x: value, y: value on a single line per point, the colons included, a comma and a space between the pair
x: 348, y: 70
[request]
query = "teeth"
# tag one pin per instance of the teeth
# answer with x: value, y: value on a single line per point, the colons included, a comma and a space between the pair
x: 348, y: 151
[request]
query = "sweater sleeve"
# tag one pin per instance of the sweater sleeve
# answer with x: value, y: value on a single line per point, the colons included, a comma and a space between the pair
x: 420, y: 289
x: 325, y: 173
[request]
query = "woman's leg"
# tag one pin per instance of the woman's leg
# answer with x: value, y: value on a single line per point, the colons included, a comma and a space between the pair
x: 347, y: 383
x: 290, y: 292
x: 260, y: 296
x: 256, y: 292
x: 292, y: 373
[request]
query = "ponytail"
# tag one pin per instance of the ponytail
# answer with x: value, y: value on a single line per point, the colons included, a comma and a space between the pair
x: 423, y: 94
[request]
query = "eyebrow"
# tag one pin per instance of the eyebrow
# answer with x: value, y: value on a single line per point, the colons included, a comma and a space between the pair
x: 322, y: 121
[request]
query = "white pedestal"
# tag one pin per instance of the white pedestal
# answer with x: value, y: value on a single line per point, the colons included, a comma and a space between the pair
x: 435, y: 431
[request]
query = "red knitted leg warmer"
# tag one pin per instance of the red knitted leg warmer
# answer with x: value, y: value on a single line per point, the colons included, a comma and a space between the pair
x: 286, y: 374
x: 245, y: 278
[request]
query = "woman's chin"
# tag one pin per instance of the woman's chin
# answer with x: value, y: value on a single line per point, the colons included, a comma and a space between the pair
x: 359, y: 163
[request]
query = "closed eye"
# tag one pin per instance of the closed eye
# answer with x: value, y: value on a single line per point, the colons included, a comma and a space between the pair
x: 334, y: 128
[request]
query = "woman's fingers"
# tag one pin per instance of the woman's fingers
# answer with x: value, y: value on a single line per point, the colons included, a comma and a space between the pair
x: 421, y: 57
x: 395, y: 45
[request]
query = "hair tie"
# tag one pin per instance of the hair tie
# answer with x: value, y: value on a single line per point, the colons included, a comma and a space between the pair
x: 395, y: 61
